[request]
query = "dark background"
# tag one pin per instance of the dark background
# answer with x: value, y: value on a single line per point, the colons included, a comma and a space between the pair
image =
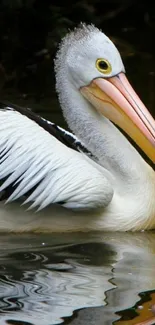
x: 30, y: 31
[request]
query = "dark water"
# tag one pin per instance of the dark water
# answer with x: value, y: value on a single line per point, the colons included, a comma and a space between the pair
x: 77, y: 279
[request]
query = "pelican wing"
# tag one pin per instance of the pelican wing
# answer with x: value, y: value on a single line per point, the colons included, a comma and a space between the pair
x: 66, y: 137
x: 42, y: 167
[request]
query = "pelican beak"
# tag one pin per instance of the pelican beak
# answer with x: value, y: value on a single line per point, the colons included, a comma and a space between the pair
x: 115, y: 99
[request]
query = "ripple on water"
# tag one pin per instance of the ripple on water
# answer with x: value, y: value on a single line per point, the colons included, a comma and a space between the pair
x: 46, y: 284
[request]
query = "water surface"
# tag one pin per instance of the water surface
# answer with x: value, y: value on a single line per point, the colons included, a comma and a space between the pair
x: 105, y: 278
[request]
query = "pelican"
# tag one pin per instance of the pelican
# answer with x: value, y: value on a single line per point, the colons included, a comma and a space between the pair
x: 94, y: 179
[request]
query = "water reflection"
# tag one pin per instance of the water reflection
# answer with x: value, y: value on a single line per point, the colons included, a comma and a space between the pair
x: 44, y: 279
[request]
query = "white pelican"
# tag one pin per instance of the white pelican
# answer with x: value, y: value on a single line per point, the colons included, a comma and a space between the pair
x: 103, y: 181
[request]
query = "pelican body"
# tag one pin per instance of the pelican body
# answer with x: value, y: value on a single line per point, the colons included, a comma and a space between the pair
x: 94, y: 179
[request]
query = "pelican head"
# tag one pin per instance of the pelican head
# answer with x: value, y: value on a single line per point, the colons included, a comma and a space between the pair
x: 95, y: 68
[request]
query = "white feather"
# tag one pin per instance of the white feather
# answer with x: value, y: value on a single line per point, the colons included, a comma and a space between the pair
x: 33, y: 157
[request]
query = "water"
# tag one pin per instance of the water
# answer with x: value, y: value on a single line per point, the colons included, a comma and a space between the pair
x: 105, y: 278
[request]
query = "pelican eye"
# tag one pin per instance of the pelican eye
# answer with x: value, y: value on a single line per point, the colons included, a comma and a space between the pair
x: 103, y: 66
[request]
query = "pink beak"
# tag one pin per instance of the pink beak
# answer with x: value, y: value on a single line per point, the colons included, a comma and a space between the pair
x: 115, y: 99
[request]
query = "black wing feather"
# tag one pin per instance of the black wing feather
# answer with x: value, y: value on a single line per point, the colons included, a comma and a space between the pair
x: 60, y: 134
